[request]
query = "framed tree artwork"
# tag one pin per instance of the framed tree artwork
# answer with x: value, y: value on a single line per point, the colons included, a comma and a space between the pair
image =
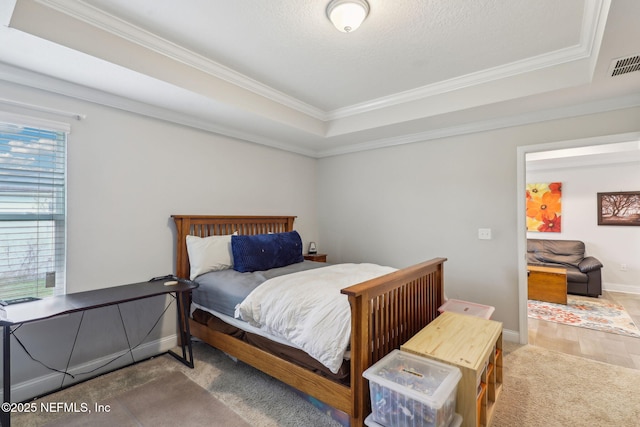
x: 619, y: 208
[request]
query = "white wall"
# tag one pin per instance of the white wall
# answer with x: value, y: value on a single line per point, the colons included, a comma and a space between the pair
x: 612, y: 245
x: 405, y: 204
x: 126, y: 175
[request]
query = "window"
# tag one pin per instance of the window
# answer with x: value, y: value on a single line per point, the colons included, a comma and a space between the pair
x: 32, y: 211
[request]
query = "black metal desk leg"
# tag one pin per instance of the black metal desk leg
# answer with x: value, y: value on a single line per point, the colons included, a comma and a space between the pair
x: 184, y: 330
x: 187, y: 327
x: 5, y: 415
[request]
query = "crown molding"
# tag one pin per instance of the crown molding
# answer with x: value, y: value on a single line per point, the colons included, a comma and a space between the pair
x: 602, y: 106
x: 481, y: 77
x: 9, y: 73
x: 594, y: 11
x: 593, y: 21
x: 6, y: 11
x: 11, y: 103
x: 31, y: 79
x: 89, y: 14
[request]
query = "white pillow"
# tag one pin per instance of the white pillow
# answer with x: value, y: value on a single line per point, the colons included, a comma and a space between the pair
x: 207, y: 254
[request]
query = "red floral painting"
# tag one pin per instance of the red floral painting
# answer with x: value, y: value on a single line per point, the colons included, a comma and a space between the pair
x: 544, y: 207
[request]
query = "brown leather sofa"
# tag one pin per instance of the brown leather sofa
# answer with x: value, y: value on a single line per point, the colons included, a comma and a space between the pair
x: 583, y: 273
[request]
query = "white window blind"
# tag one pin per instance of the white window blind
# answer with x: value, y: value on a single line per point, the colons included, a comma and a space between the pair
x: 32, y: 211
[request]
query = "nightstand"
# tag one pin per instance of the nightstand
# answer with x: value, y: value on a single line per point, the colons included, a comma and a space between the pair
x: 316, y: 257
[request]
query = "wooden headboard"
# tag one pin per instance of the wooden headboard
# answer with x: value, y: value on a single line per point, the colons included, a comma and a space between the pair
x: 216, y: 225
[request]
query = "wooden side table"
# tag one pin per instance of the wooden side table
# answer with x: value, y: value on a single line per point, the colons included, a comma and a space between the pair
x: 547, y: 284
x: 474, y: 345
x: 316, y: 257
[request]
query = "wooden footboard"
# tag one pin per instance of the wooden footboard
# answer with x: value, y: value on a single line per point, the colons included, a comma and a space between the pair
x: 385, y: 312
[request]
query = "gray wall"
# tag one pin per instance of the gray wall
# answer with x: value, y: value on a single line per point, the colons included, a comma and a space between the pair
x: 401, y: 205
x: 394, y: 206
x: 126, y: 175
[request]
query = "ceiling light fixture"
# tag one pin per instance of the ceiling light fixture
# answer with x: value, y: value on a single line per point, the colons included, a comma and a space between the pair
x: 347, y: 15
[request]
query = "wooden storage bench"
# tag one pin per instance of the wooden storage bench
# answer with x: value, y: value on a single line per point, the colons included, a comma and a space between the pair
x: 475, y: 346
x: 547, y: 284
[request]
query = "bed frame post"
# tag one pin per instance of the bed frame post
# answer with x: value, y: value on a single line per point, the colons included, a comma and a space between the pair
x: 360, y: 358
x: 385, y: 312
x: 182, y: 230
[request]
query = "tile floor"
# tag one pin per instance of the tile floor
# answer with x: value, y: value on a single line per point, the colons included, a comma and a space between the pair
x: 605, y: 347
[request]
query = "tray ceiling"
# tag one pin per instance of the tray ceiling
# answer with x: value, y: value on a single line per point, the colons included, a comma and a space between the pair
x: 279, y: 74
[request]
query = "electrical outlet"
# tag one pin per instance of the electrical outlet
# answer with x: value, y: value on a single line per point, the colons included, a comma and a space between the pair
x: 484, y: 233
x: 623, y: 267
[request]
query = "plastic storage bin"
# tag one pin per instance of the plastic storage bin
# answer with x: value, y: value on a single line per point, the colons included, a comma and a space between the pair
x: 466, y: 307
x: 456, y: 422
x: 412, y: 391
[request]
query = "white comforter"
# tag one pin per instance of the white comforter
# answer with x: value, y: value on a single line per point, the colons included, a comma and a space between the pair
x: 307, y: 309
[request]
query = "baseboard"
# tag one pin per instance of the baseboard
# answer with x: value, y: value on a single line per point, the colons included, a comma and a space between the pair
x: 511, y: 336
x: 51, y: 382
x: 618, y: 287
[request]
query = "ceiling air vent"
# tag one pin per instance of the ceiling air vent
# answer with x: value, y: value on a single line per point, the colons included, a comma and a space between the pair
x: 625, y: 65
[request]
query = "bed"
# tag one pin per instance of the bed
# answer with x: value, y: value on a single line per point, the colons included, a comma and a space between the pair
x: 385, y: 312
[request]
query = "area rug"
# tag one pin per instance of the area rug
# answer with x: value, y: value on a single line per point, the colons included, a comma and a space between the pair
x: 592, y: 313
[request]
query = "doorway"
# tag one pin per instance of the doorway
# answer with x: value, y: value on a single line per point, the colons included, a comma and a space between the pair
x: 557, y: 152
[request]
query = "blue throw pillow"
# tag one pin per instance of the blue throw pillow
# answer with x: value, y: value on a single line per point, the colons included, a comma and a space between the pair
x: 266, y: 251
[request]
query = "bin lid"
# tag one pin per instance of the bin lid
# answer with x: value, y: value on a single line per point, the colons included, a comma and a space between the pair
x: 417, y: 377
x: 455, y: 422
x: 466, y: 307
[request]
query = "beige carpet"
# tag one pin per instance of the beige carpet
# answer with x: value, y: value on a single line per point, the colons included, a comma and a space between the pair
x: 541, y: 388
x: 148, y: 406
x: 257, y: 398
x: 547, y: 388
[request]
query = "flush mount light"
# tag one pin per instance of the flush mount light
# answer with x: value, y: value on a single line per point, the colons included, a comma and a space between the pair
x: 347, y: 15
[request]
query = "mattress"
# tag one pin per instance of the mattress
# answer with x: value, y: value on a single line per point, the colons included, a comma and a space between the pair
x: 221, y: 291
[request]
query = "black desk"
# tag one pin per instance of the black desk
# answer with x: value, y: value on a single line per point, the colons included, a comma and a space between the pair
x: 46, y: 308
